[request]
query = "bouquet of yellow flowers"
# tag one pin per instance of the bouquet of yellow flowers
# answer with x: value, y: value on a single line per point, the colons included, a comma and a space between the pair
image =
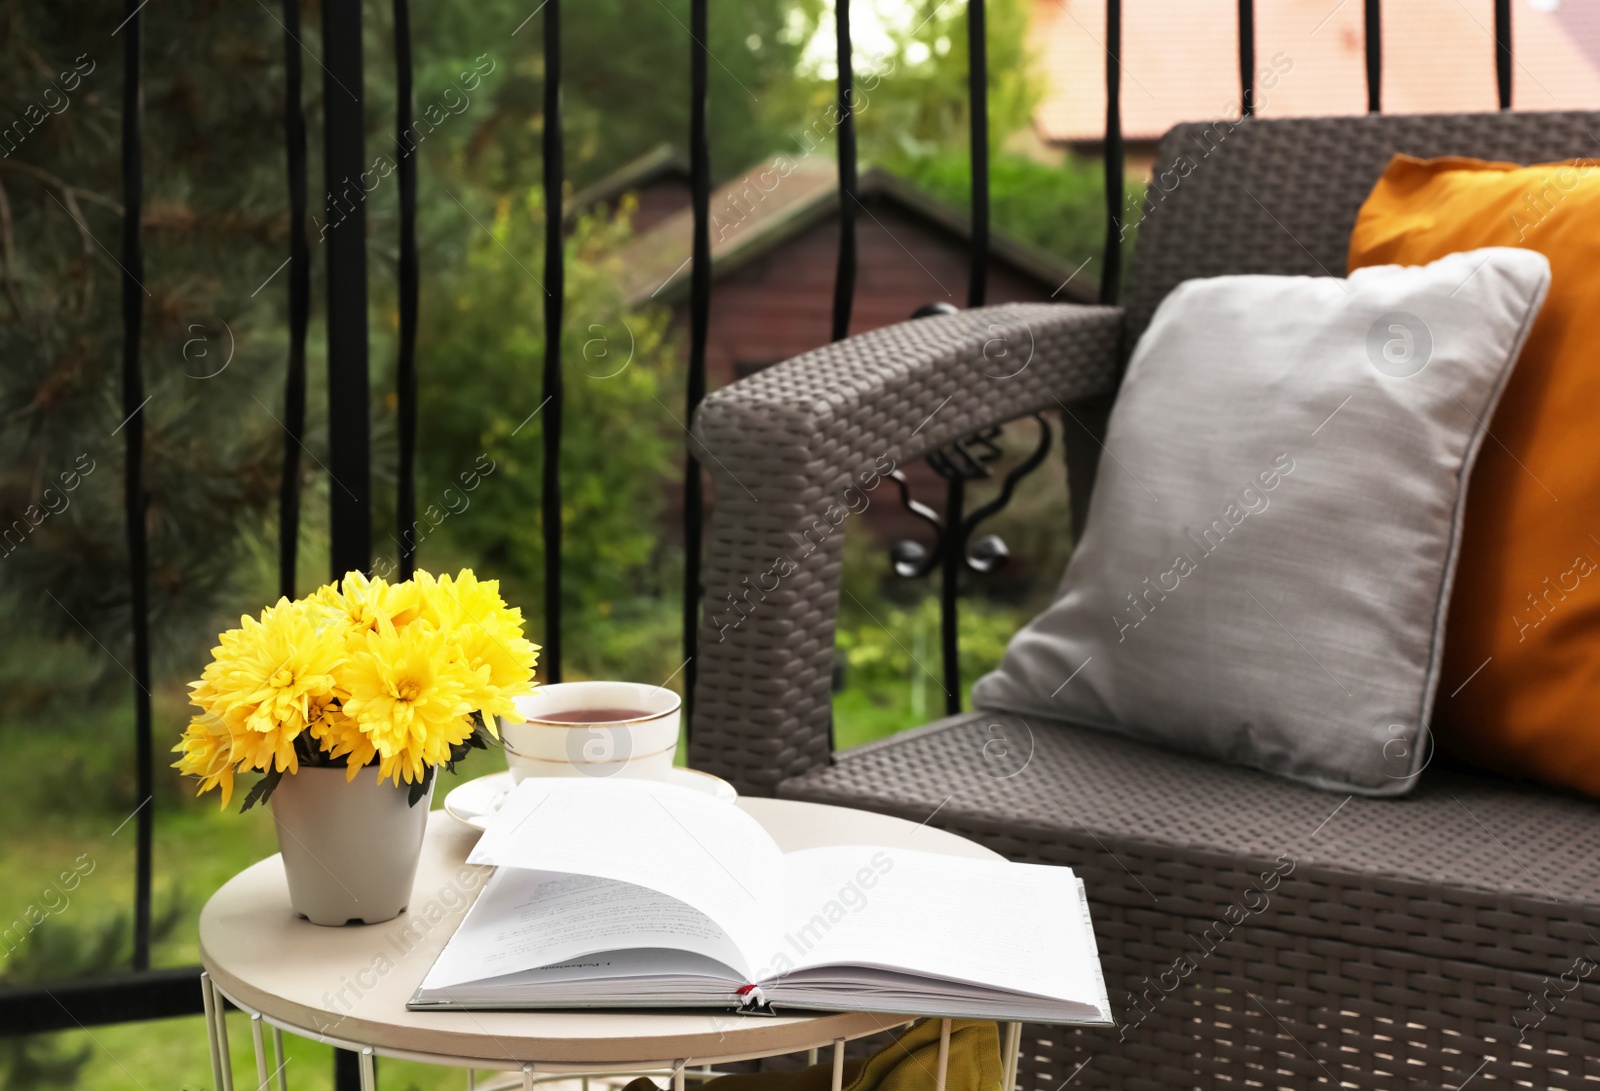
x: 407, y: 676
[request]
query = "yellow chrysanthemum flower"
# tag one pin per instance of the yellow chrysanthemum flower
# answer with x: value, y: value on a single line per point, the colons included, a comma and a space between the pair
x: 265, y: 750
x: 426, y: 588
x: 488, y: 635
x: 365, y: 673
x: 207, y: 749
x: 340, y: 736
x: 408, y: 694
x: 361, y: 604
x: 264, y: 677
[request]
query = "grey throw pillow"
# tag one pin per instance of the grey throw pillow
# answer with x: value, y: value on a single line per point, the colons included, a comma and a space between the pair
x: 1268, y: 555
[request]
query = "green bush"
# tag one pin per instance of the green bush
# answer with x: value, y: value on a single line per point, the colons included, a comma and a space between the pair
x: 482, y: 437
x: 55, y: 950
x: 1059, y: 208
x: 894, y: 677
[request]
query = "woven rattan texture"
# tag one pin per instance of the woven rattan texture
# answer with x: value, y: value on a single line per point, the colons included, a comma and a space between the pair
x: 1255, y: 930
x: 795, y: 451
x: 1436, y: 941
x: 1280, y: 196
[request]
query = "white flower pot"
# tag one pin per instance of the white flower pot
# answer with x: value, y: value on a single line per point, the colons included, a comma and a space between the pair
x: 350, y: 850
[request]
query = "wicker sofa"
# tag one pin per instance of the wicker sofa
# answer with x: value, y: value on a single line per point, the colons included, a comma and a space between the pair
x: 1254, y: 933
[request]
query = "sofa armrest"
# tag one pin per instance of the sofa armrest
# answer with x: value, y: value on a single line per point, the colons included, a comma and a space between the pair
x: 794, y: 450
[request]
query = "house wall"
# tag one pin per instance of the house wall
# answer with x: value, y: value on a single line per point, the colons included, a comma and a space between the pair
x: 781, y: 304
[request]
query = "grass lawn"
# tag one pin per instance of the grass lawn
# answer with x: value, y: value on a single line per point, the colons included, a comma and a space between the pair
x: 65, y: 794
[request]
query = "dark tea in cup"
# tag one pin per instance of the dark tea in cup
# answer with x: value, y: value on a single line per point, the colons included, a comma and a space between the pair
x: 593, y: 729
x: 594, y: 716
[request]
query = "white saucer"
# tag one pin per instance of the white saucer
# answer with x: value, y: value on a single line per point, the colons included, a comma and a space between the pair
x: 476, y: 801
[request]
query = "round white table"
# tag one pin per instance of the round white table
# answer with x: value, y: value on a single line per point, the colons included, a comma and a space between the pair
x: 348, y: 986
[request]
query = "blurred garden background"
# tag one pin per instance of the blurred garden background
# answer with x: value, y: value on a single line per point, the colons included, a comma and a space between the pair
x: 215, y: 344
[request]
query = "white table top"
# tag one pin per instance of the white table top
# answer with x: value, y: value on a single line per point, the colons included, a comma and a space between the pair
x: 351, y: 984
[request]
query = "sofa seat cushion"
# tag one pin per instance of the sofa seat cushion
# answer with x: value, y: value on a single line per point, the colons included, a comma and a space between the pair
x: 1468, y: 866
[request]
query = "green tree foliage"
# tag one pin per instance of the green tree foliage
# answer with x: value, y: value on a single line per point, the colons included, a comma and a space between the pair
x: 621, y: 432
x: 625, y: 80
x: 911, y: 97
x: 212, y: 223
x: 1057, y: 207
x: 923, y: 108
x: 914, y: 116
x: 481, y: 341
x: 215, y: 227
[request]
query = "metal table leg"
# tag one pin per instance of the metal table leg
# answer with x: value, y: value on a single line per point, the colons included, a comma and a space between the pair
x: 1013, y: 1052
x: 220, y: 1004
x: 210, y: 1001
x: 279, y: 1059
x: 215, y: 1002
x: 258, y: 1046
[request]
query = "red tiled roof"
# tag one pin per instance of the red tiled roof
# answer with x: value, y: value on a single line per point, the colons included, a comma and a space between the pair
x: 1180, y: 60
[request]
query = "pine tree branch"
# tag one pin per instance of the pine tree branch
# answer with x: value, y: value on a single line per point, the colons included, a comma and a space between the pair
x: 69, y: 193
x: 8, y: 256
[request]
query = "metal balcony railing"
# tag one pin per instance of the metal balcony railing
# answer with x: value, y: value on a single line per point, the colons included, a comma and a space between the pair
x: 145, y: 993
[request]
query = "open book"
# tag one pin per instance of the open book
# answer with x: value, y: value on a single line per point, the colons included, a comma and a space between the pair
x: 633, y: 893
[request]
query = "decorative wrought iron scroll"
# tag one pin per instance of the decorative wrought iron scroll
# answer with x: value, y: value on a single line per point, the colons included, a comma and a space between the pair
x: 954, y: 548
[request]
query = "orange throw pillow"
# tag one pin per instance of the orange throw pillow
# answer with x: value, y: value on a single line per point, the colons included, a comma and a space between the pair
x: 1520, y: 687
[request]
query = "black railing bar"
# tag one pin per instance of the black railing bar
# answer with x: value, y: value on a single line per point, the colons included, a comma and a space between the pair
x: 133, y: 400
x: 844, y: 280
x: 294, y: 386
x: 79, y: 1003
x: 344, y: 158
x: 699, y: 323
x: 554, y: 393
x: 955, y: 498
x: 1111, y: 275
x: 977, y: 288
x: 1247, y: 58
x: 406, y: 363
x: 978, y: 104
x: 951, y: 565
x: 1374, y: 44
x: 1502, y: 51
x: 349, y: 441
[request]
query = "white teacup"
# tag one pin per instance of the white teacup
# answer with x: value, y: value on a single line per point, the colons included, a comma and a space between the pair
x: 593, y: 729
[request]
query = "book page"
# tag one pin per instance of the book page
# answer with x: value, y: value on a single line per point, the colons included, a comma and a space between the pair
x: 528, y: 920
x: 1008, y: 926
x: 698, y: 850
x: 635, y: 967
